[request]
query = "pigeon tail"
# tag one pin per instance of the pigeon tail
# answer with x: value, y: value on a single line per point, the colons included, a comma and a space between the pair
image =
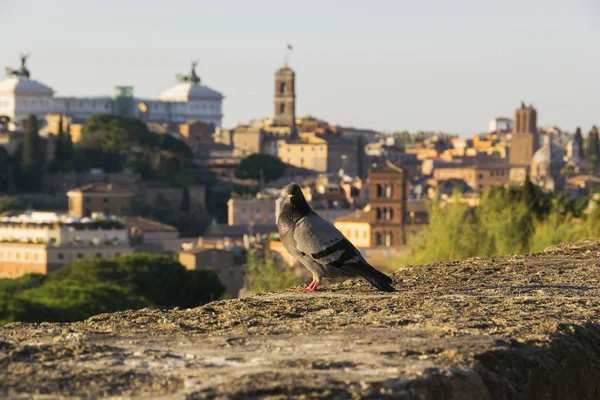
x: 380, y: 281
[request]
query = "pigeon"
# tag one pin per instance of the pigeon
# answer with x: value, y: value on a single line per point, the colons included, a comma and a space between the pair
x: 320, y: 246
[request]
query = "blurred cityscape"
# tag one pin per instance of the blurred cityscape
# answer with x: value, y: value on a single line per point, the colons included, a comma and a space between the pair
x: 101, y: 177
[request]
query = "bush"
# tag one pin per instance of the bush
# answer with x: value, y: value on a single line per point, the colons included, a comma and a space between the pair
x: 264, y: 273
x: 252, y: 166
x: 88, y: 287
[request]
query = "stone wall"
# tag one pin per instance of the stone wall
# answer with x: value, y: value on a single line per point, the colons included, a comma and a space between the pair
x: 512, y: 327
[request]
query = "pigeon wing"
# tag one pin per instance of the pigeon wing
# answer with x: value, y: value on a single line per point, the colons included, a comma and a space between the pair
x: 324, y: 244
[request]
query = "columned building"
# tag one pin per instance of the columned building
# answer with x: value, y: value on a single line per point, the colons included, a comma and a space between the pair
x: 20, y: 95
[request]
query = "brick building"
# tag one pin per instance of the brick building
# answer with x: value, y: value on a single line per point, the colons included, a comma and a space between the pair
x: 99, y: 198
x: 524, y: 141
x: 285, y: 97
x: 381, y: 222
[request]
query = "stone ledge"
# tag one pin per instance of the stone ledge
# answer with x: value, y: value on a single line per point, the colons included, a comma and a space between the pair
x: 513, y: 327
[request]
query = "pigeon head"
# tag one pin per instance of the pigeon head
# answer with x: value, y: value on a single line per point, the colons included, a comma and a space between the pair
x: 295, y: 205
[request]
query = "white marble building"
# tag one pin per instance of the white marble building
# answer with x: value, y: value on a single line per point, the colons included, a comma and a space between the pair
x: 188, y: 100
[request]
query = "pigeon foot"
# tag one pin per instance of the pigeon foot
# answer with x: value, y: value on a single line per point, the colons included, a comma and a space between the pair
x: 312, y: 287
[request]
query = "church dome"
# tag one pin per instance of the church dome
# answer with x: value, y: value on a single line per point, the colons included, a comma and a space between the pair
x: 187, y: 91
x: 24, y: 86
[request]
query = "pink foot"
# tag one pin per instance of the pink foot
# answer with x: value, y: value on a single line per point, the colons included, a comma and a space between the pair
x: 314, y: 285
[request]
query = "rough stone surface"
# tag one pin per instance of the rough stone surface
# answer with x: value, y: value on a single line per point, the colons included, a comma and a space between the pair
x: 514, y: 327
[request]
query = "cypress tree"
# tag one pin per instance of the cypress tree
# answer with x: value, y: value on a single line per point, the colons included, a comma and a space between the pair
x: 59, y: 151
x: 185, y: 199
x: 578, y: 138
x: 33, y: 161
x: 592, y: 150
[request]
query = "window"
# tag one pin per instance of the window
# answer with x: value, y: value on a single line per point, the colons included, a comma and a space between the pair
x: 378, y: 239
x: 480, y: 176
x: 282, y: 88
x: 281, y: 108
x: 88, y: 200
x: 105, y: 199
x: 391, y: 214
x: 364, y: 234
x: 99, y: 255
x: 356, y: 234
x: 88, y: 211
x: 61, y: 256
x: 17, y: 256
x: 79, y: 255
x: 388, y: 239
x: 302, y: 161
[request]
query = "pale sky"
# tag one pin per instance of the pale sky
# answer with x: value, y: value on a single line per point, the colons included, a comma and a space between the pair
x: 387, y: 65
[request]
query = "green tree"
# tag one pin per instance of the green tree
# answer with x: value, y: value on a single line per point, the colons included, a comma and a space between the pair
x: 254, y: 165
x: 32, y: 155
x: 63, y: 152
x: 264, y: 273
x: 592, y: 150
x: 87, y: 287
x: 5, y: 170
x: 578, y: 138
x: 185, y: 199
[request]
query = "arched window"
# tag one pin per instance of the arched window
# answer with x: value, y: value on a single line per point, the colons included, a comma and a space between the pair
x: 379, y: 190
x: 388, y: 191
x: 378, y: 239
x: 282, y: 88
x: 282, y: 108
x: 388, y: 239
x: 378, y: 213
x: 391, y: 214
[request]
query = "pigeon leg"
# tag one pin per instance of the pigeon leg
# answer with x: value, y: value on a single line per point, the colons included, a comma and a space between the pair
x: 304, y: 289
x: 313, y: 286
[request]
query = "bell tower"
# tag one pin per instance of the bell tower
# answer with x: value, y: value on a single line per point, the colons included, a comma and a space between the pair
x: 285, y: 98
x: 525, y: 140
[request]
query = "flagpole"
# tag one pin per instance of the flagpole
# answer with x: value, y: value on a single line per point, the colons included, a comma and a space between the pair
x: 287, y: 53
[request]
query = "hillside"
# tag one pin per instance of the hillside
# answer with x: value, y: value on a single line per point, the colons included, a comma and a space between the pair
x: 514, y: 327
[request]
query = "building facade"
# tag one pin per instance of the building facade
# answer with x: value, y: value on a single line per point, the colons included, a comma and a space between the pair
x: 42, y: 242
x: 381, y: 223
x: 99, y: 198
x: 285, y: 97
x: 253, y: 211
x: 188, y: 100
x: 524, y: 141
x: 477, y: 177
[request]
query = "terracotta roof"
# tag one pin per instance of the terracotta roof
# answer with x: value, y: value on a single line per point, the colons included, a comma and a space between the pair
x: 148, y: 225
x: 359, y: 216
x: 389, y: 166
x: 238, y: 231
x: 101, y: 188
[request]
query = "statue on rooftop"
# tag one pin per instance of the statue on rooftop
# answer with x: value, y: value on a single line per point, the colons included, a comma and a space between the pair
x: 192, y: 77
x: 23, y: 72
